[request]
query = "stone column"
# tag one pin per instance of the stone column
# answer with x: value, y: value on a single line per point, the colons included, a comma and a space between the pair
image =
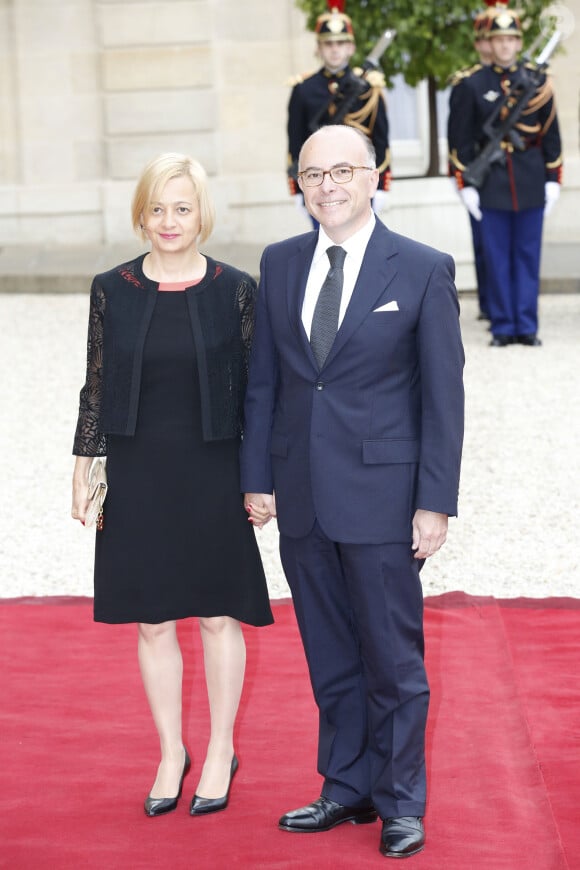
x: 51, y: 109
x: 9, y: 134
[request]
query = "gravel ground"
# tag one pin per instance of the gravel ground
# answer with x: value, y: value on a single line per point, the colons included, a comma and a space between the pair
x: 520, y: 485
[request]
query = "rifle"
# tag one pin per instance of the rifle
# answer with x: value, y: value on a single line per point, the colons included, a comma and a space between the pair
x: 501, y: 123
x: 343, y: 102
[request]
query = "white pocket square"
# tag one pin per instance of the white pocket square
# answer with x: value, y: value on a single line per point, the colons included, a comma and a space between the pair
x: 389, y: 306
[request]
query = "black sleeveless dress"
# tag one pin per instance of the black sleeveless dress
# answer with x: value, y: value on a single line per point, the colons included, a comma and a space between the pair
x: 176, y: 540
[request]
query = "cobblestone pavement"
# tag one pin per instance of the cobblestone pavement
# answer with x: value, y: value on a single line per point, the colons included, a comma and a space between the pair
x: 520, y: 490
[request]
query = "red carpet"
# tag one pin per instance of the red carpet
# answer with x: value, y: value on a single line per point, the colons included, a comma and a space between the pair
x: 78, y: 749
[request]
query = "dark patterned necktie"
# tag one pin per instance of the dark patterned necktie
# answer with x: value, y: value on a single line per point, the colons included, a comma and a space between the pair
x: 325, y: 318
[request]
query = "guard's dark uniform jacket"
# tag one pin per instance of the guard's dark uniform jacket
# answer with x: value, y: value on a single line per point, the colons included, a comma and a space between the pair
x: 308, y: 110
x: 453, y: 82
x: 478, y: 255
x: 518, y: 182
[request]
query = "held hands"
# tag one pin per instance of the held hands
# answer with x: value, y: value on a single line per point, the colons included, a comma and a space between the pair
x: 470, y: 198
x: 552, y: 194
x: 429, y: 533
x: 261, y: 507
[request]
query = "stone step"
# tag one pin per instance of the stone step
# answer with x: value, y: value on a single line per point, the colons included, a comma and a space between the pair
x: 30, y: 269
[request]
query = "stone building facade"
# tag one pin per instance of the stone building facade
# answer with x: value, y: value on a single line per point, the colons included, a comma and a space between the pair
x: 90, y: 90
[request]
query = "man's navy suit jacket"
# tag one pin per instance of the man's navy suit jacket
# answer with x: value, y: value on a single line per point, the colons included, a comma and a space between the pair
x: 377, y: 432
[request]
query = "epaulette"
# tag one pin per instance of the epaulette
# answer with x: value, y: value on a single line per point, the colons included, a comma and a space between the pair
x: 301, y: 77
x: 374, y: 77
x: 463, y: 73
x: 456, y: 77
x: 531, y: 65
x: 472, y: 69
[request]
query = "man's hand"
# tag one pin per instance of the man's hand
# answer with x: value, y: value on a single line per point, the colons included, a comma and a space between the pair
x: 429, y: 533
x: 470, y: 199
x: 261, y: 507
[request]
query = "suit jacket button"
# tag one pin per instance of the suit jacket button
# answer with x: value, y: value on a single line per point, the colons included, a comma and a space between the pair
x: 319, y: 385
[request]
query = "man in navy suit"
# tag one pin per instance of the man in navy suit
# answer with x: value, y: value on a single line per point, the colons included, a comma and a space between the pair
x: 358, y: 455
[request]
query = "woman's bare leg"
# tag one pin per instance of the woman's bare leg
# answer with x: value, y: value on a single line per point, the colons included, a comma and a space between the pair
x: 161, y: 667
x: 224, y: 652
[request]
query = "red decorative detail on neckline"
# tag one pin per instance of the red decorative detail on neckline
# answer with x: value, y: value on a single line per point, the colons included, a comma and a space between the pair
x: 130, y: 277
x: 218, y: 270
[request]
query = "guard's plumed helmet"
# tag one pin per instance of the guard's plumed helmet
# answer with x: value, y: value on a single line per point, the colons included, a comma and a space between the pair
x: 334, y: 25
x: 481, y: 25
x: 501, y: 21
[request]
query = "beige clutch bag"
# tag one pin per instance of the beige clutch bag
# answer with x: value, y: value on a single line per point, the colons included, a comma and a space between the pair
x: 97, y: 493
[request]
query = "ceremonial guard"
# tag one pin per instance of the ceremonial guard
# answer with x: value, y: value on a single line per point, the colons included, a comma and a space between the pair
x: 319, y: 98
x: 482, y: 46
x: 518, y: 189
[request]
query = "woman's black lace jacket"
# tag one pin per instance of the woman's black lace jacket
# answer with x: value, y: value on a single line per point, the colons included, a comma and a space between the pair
x: 221, y: 309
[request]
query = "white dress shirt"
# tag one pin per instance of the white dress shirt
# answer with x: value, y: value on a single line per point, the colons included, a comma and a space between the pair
x: 355, y: 248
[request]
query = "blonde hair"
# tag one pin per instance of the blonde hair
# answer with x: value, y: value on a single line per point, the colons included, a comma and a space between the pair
x: 155, y: 176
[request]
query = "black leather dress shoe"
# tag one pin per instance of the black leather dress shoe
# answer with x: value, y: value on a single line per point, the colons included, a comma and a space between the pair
x: 201, y: 806
x: 501, y: 340
x: 160, y: 806
x: 324, y: 814
x: 402, y: 837
x: 530, y: 340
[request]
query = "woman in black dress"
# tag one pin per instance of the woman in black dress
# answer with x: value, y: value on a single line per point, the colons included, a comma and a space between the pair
x: 168, y: 343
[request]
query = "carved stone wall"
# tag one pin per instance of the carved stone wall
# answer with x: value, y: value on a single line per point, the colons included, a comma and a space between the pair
x: 92, y: 89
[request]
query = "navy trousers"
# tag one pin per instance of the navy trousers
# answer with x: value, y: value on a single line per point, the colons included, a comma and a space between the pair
x: 360, y: 613
x: 511, y: 242
x: 479, y: 262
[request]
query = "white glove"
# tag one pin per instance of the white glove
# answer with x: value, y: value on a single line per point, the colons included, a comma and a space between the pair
x: 299, y: 205
x: 552, y: 193
x: 380, y: 201
x: 470, y: 198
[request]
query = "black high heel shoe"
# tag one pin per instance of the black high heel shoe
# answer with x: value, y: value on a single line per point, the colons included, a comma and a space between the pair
x: 159, y: 806
x: 201, y: 806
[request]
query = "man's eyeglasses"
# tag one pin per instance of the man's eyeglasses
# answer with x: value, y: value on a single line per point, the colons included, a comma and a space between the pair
x: 339, y: 174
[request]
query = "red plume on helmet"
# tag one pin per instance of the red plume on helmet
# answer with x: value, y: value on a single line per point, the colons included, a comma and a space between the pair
x: 336, y: 4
